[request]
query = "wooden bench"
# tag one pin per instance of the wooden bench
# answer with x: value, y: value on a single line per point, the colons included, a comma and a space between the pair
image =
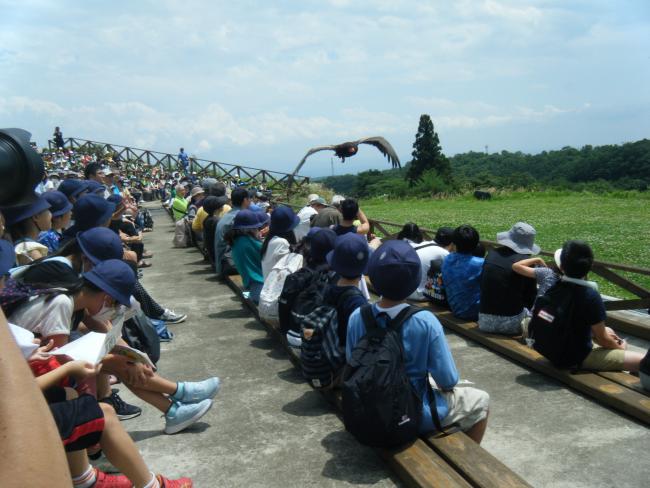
x: 452, y: 460
x: 628, y: 324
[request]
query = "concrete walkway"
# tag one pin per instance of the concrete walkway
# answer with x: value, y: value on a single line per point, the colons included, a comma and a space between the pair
x: 268, y: 428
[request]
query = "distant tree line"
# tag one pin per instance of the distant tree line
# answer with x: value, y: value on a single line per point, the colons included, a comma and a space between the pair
x: 598, y: 169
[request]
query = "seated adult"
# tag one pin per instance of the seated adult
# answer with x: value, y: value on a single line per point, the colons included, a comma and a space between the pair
x: 246, y: 250
x: 305, y: 214
x: 506, y: 296
x: 25, y: 223
x: 213, y: 189
x: 350, y: 212
x: 461, y: 274
x: 430, y: 253
x: 61, y: 210
x: 349, y: 259
x: 586, y: 316
x: 197, y: 195
x: 394, y: 270
x: 327, y: 216
x: 280, y: 238
x: 179, y: 203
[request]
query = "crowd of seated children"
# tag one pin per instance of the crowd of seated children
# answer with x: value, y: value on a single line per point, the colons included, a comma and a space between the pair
x: 394, y: 270
x: 80, y: 278
x: 507, y: 296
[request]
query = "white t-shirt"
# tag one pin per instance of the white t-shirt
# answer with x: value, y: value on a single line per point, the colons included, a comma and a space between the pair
x: 429, y: 252
x: 303, y: 227
x: 45, y: 317
x: 277, y: 248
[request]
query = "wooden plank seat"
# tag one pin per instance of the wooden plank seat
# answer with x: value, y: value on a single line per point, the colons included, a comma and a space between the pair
x: 627, y: 324
x: 618, y: 390
x: 451, y: 460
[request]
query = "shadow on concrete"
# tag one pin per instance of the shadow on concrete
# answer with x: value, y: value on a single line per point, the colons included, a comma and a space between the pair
x: 292, y: 375
x: 538, y: 382
x: 197, y: 263
x: 254, y: 325
x: 141, y: 435
x: 343, y: 447
x: 263, y: 343
x: 310, y: 404
x: 213, y: 278
x: 237, y: 313
x: 206, y: 271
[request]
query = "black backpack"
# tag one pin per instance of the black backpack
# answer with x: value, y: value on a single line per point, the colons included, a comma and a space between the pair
x: 551, y: 330
x: 139, y: 333
x: 302, y: 293
x: 321, y: 355
x: 380, y: 406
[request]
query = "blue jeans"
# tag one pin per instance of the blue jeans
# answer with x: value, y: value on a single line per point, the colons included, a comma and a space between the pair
x: 255, y: 289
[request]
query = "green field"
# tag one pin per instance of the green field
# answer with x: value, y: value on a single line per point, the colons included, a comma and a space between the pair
x: 617, y: 226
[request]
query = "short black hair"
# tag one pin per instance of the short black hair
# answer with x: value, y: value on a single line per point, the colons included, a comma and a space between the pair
x: 349, y: 209
x: 92, y: 169
x: 466, y: 239
x: 411, y: 232
x: 217, y: 189
x: 238, y: 196
x: 576, y: 258
x: 444, y: 236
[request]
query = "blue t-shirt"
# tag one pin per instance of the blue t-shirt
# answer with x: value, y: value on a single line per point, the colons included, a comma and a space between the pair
x: 426, y: 351
x: 461, y: 275
x: 247, y: 255
x: 51, y: 239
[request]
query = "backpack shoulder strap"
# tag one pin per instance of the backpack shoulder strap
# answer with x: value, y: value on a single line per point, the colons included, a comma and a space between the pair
x: 368, y: 317
x: 403, y: 316
x: 429, y: 244
x: 347, y: 294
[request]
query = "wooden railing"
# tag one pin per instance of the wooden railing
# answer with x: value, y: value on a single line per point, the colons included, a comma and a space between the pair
x: 604, y: 269
x: 135, y: 160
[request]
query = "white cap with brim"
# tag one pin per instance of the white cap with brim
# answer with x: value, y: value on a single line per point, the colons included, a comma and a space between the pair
x: 557, y: 255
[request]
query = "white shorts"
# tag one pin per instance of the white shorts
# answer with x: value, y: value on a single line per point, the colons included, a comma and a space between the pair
x: 467, y: 406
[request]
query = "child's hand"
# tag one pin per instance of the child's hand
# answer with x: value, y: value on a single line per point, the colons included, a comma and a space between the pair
x: 540, y: 262
x: 42, y: 353
x: 81, y: 370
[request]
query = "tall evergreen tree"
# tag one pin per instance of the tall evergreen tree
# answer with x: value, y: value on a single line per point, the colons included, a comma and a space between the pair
x: 427, y: 153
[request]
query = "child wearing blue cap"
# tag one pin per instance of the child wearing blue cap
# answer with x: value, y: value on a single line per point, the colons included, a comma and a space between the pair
x: 244, y: 239
x: 61, y: 210
x: 349, y: 259
x: 25, y: 223
x: 395, y: 270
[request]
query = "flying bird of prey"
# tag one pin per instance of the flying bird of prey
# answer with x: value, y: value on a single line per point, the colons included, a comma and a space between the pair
x: 349, y: 149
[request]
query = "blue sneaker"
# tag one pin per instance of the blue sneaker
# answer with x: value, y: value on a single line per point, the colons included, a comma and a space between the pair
x: 180, y: 416
x: 196, y: 391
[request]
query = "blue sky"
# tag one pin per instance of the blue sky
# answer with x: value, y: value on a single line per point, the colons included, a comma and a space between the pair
x: 259, y: 83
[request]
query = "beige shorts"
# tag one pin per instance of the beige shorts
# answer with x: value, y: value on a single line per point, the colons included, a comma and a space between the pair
x: 601, y: 359
x: 467, y: 406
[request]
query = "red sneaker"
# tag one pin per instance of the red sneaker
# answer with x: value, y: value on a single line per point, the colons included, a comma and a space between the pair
x: 179, y: 483
x: 105, y: 480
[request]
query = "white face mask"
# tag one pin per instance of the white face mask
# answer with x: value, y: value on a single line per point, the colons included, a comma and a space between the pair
x: 107, y: 313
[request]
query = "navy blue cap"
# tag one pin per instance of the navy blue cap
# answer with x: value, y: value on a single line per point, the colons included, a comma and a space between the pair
x: 13, y: 215
x: 72, y: 187
x: 115, y: 199
x: 91, y: 211
x: 100, y: 244
x: 349, y: 257
x: 247, y: 219
x: 283, y: 219
x: 115, y: 277
x: 95, y: 187
x: 321, y: 241
x: 7, y: 257
x: 395, y: 270
x: 59, y: 203
x: 253, y: 207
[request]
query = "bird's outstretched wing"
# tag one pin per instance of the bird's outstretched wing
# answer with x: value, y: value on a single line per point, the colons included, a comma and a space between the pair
x: 384, y: 146
x: 310, y: 152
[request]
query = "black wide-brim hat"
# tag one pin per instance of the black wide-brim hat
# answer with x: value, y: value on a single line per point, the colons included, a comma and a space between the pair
x: 21, y: 168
